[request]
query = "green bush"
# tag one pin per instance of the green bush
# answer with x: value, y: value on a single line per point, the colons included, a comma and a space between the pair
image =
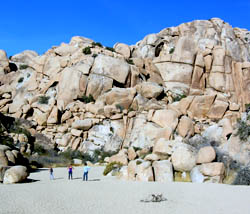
x: 130, y: 61
x: 138, y: 162
x: 112, y: 166
x: 87, y: 51
x: 246, y: 39
x: 120, y: 107
x: 97, y: 44
x: 243, y: 130
x: 22, y: 67
x: 178, y: 97
x: 20, y: 79
x: 43, y: 100
x: 243, y: 177
x: 110, y: 49
x: 94, y: 55
x: 171, y: 50
x: 87, y: 99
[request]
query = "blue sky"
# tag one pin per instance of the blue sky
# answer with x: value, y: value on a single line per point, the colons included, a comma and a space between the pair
x: 38, y: 25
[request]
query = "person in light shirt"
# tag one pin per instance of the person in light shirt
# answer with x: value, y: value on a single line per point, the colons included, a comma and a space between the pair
x: 86, y: 169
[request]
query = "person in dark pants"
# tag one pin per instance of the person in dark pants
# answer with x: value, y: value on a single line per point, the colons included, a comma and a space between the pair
x: 51, y: 173
x: 85, y: 172
x: 70, y: 171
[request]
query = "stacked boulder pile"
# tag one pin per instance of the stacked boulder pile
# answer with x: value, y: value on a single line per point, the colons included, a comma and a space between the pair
x: 161, y: 97
x: 10, y: 170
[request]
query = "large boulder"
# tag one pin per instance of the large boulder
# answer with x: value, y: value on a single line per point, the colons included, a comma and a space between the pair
x: 68, y: 87
x: 212, y: 169
x: 122, y: 49
x: 15, y: 174
x: 185, y: 127
x: 116, y: 69
x: 206, y: 155
x: 3, y: 169
x: 163, y: 171
x: 26, y: 57
x: 144, y: 172
x: 183, y: 159
x: 121, y: 157
x: 149, y: 89
x: 82, y: 124
x: 120, y: 97
x: 4, y: 62
x: 166, y: 118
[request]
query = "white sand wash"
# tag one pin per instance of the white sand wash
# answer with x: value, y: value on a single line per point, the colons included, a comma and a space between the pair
x: 103, y: 195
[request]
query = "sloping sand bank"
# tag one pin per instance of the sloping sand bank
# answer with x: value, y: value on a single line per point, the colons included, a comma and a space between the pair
x: 107, y: 195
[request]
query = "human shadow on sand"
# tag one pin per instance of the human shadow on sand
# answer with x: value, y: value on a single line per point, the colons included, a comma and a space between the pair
x: 28, y: 180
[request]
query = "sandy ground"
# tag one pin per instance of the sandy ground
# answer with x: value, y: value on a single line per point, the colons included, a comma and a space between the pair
x: 101, y: 195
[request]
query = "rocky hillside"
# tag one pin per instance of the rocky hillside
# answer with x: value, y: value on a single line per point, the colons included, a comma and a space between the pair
x: 182, y: 88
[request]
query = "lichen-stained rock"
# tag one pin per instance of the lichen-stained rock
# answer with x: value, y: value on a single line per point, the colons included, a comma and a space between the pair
x: 68, y: 87
x: 116, y: 69
x: 185, y: 127
x: 200, y: 106
x: 149, y: 89
x: 163, y: 171
x: 166, y: 118
x: 108, y: 135
x: 98, y: 84
x: 120, y: 96
x: 122, y: 49
x: 15, y: 174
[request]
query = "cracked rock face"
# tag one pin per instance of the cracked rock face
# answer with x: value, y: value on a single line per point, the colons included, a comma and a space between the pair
x: 168, y: 87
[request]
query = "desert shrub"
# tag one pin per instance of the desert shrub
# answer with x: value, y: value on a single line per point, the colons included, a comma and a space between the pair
x: 110, y: 49
x: 138, y: 162
x: 22, y: 67
x: 39, y: 149
x: 178, y: 97
x: 97, y: 44
x: 94, y: 55
x: 130, y: 61
x: 20, y: 79
x: 86, y: 50
x: 243, y: 130
x: 112, y: 166
x: 136, y: 148
x: 246, y: 39
x: 243, y: 177
x: 87, y: 99
x: 171, y: 50
x: 43, y: 100
x: 120, y: 107
x: 247, y: 106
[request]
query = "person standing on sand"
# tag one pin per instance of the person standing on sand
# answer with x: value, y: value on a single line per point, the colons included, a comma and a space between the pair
x: 70, y: 171
x: 86, y: 169
x: 51, y: 173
